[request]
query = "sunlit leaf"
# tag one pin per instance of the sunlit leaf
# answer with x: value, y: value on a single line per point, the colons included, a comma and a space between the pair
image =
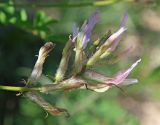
x: 23, y: 15
x: 2, y: 17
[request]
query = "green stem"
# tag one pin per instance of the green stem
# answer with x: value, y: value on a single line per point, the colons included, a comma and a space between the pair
x: 14, y: 88
x: 66, y: 5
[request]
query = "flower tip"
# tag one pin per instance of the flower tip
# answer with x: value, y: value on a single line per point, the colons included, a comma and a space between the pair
x: 94, y: 18
x: 75, y: 31
x: 117, y: 34
x: 136, y: 63
x: 129, y: 82
x: 122, y: 29
x: 135, y: 81
x: 139, y: 60
x: 95, y: 15
x: 126, y: 15
x: 124, y: 19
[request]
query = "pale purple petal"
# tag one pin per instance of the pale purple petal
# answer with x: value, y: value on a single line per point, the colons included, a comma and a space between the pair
x: 91, y: 22
x: 122, y: 25
x: 75, y: 31
x: 124, y: 19
x: 122, y: 75
x: 116, y: 35
x: 89, y: 27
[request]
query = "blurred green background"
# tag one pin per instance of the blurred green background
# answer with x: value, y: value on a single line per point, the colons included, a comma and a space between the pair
x: 26, y: 25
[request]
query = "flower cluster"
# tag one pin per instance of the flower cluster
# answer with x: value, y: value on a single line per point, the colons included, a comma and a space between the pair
x: 82, y: 38
x: 82, y: 74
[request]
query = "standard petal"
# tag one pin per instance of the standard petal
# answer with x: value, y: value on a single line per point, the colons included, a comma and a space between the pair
x: 122, y: 75
x: 91, y: 22
x: 124, y: 19
x: 122, y: 26
x: 89, y: 27
x: 75, y: 31
x: 116, y: 35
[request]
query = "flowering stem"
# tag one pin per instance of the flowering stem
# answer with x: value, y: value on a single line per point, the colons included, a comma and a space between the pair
x: 13, y: 88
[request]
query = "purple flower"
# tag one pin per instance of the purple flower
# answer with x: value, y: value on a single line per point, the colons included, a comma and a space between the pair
x: 84, y: 35
x: 124, y: 19
x: 89, y: 27
x: 121, y: 76
x: 116, y: 37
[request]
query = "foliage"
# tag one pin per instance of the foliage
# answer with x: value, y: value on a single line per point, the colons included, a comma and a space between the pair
x: 36, y: 22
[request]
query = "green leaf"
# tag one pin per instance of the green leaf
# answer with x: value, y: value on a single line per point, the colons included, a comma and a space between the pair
x: 13, y: 20
x: 10, y: 10
x: 43, y: 34
x: 2, y: 17
x: 38, y: 20
x: 50, y: 21
x: 23, y: 15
